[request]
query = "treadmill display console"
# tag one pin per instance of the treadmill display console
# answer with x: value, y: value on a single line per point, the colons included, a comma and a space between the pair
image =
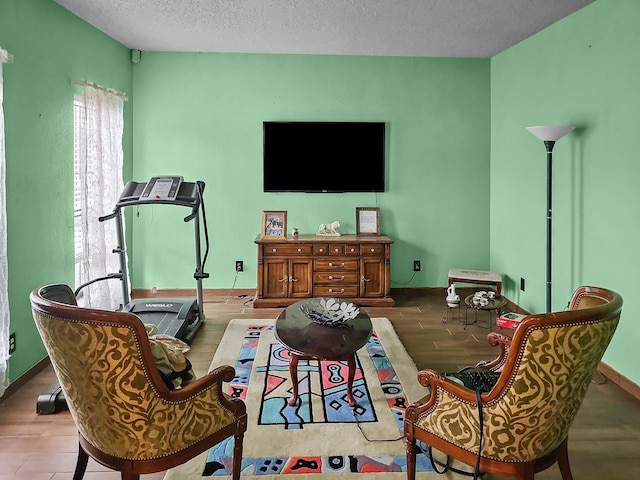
x: 161, y: 188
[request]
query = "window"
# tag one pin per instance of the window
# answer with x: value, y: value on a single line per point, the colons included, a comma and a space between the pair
x: 98, y: 156
x: 79, y: 146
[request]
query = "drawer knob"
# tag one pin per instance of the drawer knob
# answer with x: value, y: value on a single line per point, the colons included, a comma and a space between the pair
x: 299, y: 250
x: 336, y: 249
x: 340, y: 291
x: 274, y: 250
x: 373, y: 249
x: 331, y: 264
x: 353, y: 249
x: 331, y: 277
x: 321, y: 250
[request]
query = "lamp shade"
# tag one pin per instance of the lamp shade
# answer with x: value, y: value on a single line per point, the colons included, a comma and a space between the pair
x: 551, y: 133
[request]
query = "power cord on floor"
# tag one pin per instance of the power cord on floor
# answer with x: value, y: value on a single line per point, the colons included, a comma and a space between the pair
x: 225, y: 299
x: 371, y: 440
x: 405, y: 283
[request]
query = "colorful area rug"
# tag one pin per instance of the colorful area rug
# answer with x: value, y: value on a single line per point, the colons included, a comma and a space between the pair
x: 321, y: 436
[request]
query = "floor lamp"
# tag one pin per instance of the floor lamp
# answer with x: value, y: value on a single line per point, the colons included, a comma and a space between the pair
x: 549, y: 135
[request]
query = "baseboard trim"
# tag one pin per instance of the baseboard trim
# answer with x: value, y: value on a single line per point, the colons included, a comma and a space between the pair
x: 208, y: 295
x: 25, y: 377
x: 623, y: 382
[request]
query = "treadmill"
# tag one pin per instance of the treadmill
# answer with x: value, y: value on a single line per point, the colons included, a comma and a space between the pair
x: 178, y: 317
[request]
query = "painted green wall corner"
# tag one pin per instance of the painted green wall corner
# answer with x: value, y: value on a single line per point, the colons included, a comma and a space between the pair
x: 581, y: 71
x: 51, y: 47
x: 200, y: 115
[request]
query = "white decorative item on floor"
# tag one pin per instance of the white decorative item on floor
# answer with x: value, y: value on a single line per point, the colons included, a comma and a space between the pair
x: 329, y: 229
x: 452, y: 299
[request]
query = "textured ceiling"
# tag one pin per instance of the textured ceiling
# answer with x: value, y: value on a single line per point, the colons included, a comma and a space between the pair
x: 429, y: 28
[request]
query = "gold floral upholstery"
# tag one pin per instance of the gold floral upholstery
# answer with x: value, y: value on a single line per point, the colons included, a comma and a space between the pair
x: 121, y: 406
x: 548, y: 367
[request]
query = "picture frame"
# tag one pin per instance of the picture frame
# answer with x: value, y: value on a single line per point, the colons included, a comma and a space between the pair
x: 367, y: 220
x: 274, y: 224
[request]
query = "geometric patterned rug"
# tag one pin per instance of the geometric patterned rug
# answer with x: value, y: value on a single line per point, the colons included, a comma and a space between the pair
x: 321, y: 434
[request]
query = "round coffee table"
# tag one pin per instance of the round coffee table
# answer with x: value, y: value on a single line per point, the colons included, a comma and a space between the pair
x: 494, y: 304
x: 309, y: 340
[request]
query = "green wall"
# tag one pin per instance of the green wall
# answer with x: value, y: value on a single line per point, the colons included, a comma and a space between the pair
x: 581, y: 71
x: 51, y: 47
x: 200, y: 115
x: 465, y: 180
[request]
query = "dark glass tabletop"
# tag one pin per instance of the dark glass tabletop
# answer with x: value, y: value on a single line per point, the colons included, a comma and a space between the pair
x: 298, y: 333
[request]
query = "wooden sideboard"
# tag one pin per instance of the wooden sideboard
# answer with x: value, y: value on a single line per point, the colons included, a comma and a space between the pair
x: 352, y: 267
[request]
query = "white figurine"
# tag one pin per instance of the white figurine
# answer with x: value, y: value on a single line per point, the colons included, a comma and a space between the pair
x: 329, y: 229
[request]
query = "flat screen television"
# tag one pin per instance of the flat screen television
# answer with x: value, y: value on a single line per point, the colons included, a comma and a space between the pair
x: 327, y: 157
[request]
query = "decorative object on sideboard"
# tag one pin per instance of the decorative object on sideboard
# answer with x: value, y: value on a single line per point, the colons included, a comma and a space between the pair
x: 329, y: 229
x: 549, y: 135
x: 274, y: 224
x: 367, y: 220
x: 295, y: 233
x: 453, y: 299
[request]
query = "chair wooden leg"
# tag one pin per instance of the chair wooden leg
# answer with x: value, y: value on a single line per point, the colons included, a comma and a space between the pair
x: 563, y: 463
x: 526, y: 472
x: 237, y: 455
x: 81, y: 463
x: 411, y: 459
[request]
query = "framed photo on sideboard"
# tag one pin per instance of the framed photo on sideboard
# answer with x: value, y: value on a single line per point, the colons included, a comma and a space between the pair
x: 274, y: 224
x: 367, y: 220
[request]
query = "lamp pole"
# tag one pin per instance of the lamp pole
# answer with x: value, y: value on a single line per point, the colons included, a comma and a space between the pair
x: 549, y: 146
x: 549, y: 135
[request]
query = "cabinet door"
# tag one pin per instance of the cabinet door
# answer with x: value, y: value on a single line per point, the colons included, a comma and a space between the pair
x: 372, y: 279
x: 300, y: 278
x: 275, y: 279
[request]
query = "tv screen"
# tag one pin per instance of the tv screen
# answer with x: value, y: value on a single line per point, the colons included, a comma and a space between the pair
x: 323, y: 156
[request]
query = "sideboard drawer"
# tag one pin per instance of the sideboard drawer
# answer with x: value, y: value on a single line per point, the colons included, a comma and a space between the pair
x: 352, y: 250
x: 336, y: 278
x: 335, y: 291
x: 368, y: 250
x: 339, y: 264
x: 284, y: 249
x: 320, y: 249
x: 337, y: 249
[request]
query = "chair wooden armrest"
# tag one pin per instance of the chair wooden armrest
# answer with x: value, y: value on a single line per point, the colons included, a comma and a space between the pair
x: 497, y: 340
x: 213, y: 379
x: 439, y: 385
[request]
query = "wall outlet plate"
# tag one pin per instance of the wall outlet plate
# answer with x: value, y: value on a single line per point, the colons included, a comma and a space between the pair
x: 416, y: 265
x: 239, y: 266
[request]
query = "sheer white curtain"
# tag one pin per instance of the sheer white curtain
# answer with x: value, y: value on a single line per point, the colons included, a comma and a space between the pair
x: 4, y: 296
x: 100, y: 165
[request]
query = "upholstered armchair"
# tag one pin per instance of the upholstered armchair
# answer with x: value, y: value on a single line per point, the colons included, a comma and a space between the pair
x: 545, y: 370
x: 127, y: 418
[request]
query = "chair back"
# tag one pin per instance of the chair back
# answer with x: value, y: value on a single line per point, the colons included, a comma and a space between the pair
x: 115, y: 394
x: 550, y: 364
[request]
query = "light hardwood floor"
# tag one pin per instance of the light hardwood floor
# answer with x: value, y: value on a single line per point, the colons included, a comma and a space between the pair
x: 604, y: 441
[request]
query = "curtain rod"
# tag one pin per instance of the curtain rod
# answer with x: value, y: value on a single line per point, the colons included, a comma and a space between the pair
x: 84, y: 83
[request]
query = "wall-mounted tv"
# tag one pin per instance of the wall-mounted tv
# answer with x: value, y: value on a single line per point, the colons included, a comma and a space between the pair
x: 323, y: 156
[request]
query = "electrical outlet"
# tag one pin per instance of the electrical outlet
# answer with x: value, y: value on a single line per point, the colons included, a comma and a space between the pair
x: 12, y: 343
x: 416, y: 265
x: 522, y: 284
x: 239, y: 266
